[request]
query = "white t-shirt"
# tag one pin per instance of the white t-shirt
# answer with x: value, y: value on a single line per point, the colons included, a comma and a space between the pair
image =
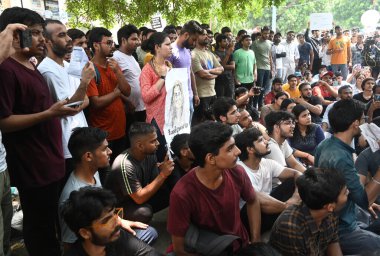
x: 62, y: 86
x: 3, y: 154
x: 131, y: 71
x: 279, y: 153
x: 261, y: 179
x: 278, y: 49
x: 292, y: 54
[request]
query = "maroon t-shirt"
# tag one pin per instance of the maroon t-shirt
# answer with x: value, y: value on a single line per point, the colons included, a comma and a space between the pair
x: 35, y: 154
x: 215, y: 210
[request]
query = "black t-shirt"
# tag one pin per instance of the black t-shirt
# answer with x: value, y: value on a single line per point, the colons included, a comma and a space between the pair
x: 314, y: 101
x: 131, y: 176
x: 126, y: 245
x: 360, y: 98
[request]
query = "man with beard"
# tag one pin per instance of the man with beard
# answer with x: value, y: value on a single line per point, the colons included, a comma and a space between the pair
x: 340, y: 51
x: 32, y: 134
x: 280, y: 127
x: 311, y: 228
x: 262, y: 48
x: 106, y: 91
x: 355, y: 237
x: 128, y: 39
x: 61, y: 84
x: 312, y: 103
x: 181, y: 57
x: 137, y: 179
x: 261, y: 171
x: 276, y: 87
x: 291, y: 55
x: 206, y: 68
x: 226, y: 112
x: 278, y: 54
x: 91, y: 214
x: 89, y: 148
x: 208, y: 196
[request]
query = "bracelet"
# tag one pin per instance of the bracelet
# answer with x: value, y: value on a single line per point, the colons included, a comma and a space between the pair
x: 164, y: 177
x: 376, y: 181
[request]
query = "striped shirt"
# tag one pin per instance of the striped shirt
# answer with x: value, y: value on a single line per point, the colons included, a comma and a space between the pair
x: 296, y: 233
x: 3, y: 163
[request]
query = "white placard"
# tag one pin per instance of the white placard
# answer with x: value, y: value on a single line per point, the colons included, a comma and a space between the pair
x: 321, y: 21
x: 78, y: 60
x: 177, y: 105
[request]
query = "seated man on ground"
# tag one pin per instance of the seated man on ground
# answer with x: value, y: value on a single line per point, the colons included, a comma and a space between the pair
x: 355, y: 236
x: 226, y: 112
x: 280, y: 127
x: 243, y: 96
x: 183, y: 158
x: 311, y: 228
x: 253, y: 148
x: 208, y: 196
x: 89, y: 149
x: 137, y: 179
x: 91, y: 214
x: 312, y: 103
x: 245, y: 122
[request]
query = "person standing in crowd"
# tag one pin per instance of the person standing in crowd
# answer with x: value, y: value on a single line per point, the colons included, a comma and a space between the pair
x: 262, y: 48
x: 63, y: 86
x: 357, y: 51
x: 245, y: 66
x: 78, y: 37
x: 239, y: 35
x: 316, y: 44
x: 345, y: 117
x: 32, y: 134
x: 106, y: 90
x: 152, y: 79
x: 181, y: 57
x: 278, y: 54
x: 323, y: 52
x: 306, y: 52
x: 141, y: 54
x: 127, y: 37
x: 206, y: 68
x: 224, y: 83
x: 340, y: 51
x: 290, y: 62
x: 311, y: 228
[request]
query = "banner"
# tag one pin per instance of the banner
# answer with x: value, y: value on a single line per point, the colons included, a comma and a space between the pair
x: 321, y: 21
x: 177, y: 105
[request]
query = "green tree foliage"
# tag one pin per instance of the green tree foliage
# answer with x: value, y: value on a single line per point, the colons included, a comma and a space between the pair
x: 238, y: 14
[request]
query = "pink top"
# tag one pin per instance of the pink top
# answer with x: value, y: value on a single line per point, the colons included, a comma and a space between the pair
x: 154, y: 100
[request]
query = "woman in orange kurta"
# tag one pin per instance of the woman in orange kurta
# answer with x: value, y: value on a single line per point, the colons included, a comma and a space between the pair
x: 152, y: 78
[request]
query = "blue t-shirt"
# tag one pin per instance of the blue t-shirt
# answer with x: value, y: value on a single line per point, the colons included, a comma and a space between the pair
x: 335, y: 154
x: 304, y: 50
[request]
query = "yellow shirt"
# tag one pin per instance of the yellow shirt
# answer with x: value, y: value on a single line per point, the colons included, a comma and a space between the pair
x: 340, y: 46
x: 292, y: 93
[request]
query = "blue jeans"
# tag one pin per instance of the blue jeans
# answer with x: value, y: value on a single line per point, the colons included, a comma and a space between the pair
x: 263, y: 81
x: 148, y: 235
x: 342, y: 68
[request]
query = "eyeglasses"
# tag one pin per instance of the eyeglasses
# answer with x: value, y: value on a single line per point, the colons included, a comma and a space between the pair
x: 109, y: 43
x: 287, y: 122
x: 106, y: 222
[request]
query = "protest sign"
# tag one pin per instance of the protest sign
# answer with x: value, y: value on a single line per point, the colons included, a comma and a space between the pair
x: 321, y: 21
x: 177, y: 105
x: 77, y: 62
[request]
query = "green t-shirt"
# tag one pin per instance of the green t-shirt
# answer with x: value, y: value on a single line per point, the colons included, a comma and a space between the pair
x: 262, y: 49
x: 244, y: 62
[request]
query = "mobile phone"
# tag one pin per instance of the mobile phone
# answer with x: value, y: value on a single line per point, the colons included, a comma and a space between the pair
x: 74, y: 104
x: 25, y: 38
x: 376, y: 97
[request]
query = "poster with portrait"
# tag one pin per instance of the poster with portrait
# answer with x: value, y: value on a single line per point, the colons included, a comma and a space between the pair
x: 177, y: 105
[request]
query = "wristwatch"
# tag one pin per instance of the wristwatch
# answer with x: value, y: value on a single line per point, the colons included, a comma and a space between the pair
x: 162, y: 77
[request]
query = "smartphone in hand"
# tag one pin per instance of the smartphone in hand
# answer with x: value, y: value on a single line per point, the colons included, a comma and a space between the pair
x: 25, y: 38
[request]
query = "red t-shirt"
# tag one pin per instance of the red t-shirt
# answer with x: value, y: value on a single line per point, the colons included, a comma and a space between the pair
x: 35, y: 154
x: 269, y: 98
x: 215, y: 210
x: 112, y: 117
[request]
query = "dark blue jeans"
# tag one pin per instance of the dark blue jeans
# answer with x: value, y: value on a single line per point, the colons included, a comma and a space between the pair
x: 263, y: 81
